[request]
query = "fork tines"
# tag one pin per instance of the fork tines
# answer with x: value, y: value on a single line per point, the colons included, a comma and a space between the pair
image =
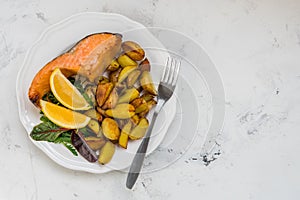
x: 171, y: 72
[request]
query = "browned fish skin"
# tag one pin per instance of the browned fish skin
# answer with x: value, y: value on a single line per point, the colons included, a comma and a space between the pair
x: 89, y: 57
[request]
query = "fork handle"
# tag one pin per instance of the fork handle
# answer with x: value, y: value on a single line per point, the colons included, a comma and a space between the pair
x: 138, y: 159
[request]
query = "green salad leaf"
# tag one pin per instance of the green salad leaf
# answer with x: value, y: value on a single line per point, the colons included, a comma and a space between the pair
x: 78, y: 85
x: 50, y: 97
x: 50, y: 132
x: 88, y: 99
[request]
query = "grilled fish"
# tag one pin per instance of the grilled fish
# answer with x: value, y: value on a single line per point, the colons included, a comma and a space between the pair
x: 89, y: 57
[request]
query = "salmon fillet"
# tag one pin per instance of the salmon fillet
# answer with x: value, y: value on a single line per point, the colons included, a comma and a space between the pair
x: 89, y: 57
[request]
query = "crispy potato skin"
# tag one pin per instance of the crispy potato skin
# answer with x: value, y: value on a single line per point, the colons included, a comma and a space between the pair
x: 135, y: 119
x: 114, y: 65
x: 103, y: 92
x: 147, y: 97
x: 133, y: 50
x: 137, y: 102
x: 150, y: 105
x: 112, y: 100
x: 101, y: 47
x: 145, y: 65
x: 113, y: 76
x: 142, y: 108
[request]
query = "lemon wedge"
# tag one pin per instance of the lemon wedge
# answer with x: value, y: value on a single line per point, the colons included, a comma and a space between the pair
x: 64, y: 117
x: 66, y: 93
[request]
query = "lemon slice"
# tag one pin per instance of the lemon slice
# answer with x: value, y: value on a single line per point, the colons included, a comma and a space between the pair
x: 66, y: 93
x: 64, y: 117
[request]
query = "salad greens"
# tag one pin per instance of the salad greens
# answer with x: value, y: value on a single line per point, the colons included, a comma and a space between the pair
x: 50, y: 97
x: 80, y: 88
x: 50, y: 132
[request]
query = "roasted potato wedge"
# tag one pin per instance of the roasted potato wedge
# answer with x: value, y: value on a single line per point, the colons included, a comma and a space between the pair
x: 145, y: 65
x: 114, y: 65
x: 121, y: 111
x: 137, y: 102
x: 103, y: 79
x: 95, y: 143
x: 92, y: 113
x: 102, y: 112
x: 140, y: 88
x: 106, y: 153
x: 110, y: 129
x: 125, y: 61
x: 112, y: 100
x: 142, y: 108
x: 147, y: 96
x: 143, y: 114
x: 140, y: 130
x: 100, y: 119
x: 122, y: 122
x: 100, y: 133
x: 94, y: 126
x: 113, y: 76
x: 135, y: 119
x: 103, y: 91
x: 133, y: 77
x: 150, y: 105
x: 133, y: 50
x: 123, y: 139
x: 125, y: 72
x: 147, y: 83
x: 129, y: 95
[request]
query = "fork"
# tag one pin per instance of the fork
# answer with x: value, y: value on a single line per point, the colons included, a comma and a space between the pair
x: 165, y: 91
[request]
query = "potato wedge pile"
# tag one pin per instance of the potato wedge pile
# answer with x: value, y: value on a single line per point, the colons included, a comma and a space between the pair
x: 122, y: 98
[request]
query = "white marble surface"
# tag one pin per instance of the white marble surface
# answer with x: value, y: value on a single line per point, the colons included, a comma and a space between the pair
x: 256, y: 47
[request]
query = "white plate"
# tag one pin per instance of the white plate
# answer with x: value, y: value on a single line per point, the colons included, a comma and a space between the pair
x: 53, y: 42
